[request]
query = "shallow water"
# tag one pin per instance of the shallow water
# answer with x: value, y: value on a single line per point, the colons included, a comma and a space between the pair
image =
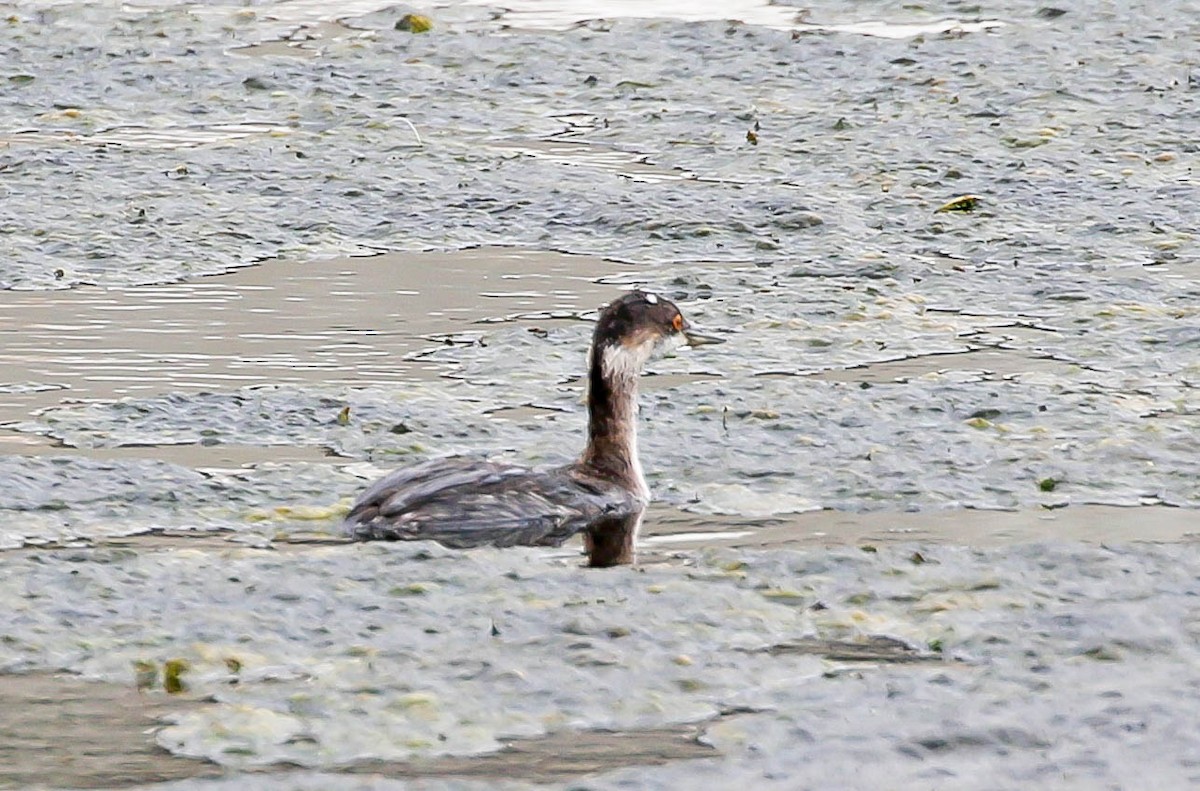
x: 331, y: 321
x: 226, y: 225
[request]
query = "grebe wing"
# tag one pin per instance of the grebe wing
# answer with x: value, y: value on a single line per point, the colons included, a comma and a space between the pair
x: 409, y: 486
x: 463, y: 502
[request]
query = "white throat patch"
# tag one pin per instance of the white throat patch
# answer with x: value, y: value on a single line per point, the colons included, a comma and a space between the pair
x: 624, y: 362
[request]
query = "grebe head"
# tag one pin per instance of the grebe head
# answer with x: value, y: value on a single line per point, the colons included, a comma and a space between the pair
x: 635, y: 327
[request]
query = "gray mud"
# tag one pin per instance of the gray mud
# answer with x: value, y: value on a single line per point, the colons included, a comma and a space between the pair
x: 1037, y: 661
x: 255, y: 256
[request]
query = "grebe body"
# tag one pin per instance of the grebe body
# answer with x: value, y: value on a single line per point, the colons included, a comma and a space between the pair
x: 466, y: 502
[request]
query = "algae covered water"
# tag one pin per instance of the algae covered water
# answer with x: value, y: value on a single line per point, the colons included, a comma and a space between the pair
x: 257, y: 255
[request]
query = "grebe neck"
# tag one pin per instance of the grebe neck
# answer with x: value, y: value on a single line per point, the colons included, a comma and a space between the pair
x: 612, y: 448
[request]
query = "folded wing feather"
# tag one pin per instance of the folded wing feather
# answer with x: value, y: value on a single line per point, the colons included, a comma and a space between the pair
x: 464, y: 502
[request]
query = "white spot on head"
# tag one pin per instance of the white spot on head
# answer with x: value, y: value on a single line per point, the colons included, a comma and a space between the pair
x: 651, y: 298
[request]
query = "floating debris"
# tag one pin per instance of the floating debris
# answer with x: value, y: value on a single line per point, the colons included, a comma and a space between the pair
x: 145, y: 674
x: 963, y: 203
x: 173, y: 671
x: 414, y: 23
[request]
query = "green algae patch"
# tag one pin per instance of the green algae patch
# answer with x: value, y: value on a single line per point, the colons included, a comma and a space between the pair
x: 414, y: 23
x: 173, y: 673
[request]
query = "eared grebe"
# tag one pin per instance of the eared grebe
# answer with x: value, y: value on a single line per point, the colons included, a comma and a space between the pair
x: 463, y: 502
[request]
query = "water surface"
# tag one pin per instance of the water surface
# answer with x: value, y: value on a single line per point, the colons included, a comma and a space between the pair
x: 256, y: 256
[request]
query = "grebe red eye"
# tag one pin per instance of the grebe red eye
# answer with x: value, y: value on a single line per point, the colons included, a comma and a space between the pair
x: 677, y: 322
